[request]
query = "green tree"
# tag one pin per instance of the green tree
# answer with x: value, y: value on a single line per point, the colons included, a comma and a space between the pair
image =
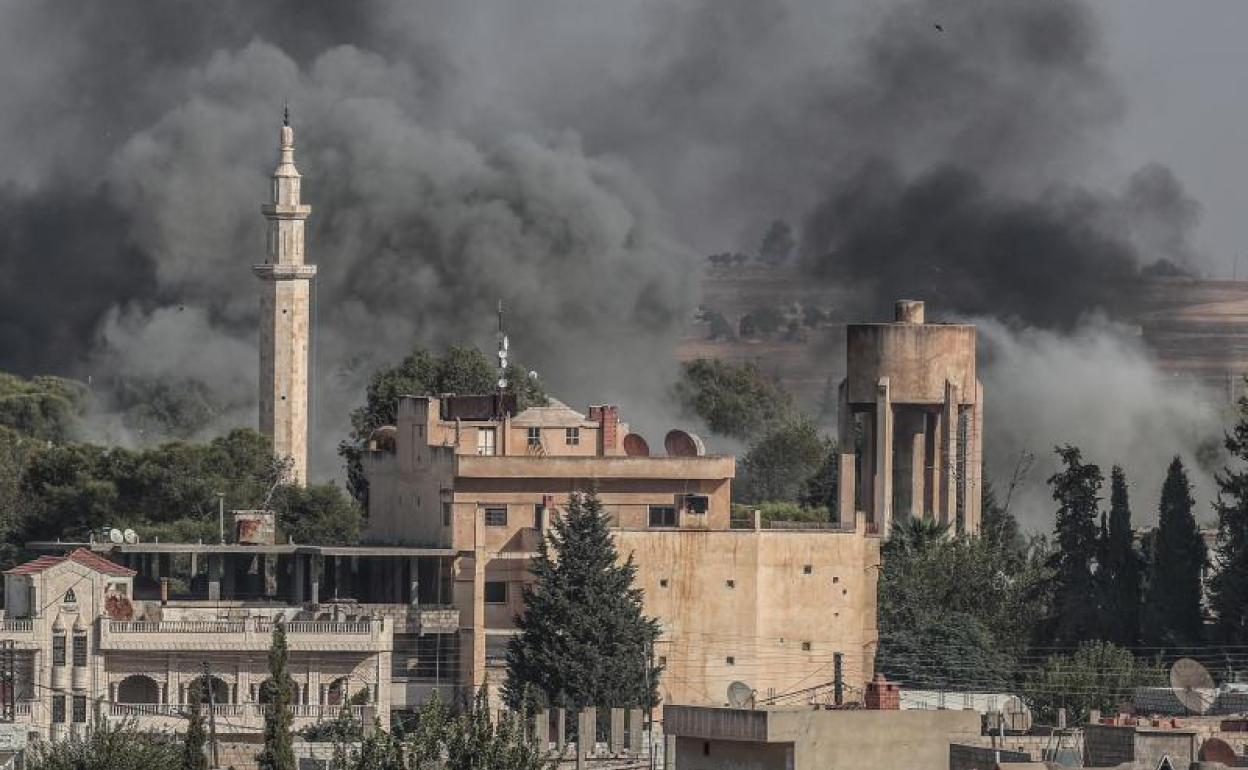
x: 1228, y: 589
x: 1171, y: 613
x: 998, y: 526
x: 780, y: 463
x: 583, y: 638
x: 193, y: 756
x: 819, y: 490
x: 955, y: 610
x: 735, y: 400
x: 1076, y: 489
x: 761, y: 322
x: 106, y: 747
x: 1120, y: 570
x: 43, y: 408
x: 278, y: 752
x: 462, y: 370
x: 1098, y: 675
x: 320, y: 514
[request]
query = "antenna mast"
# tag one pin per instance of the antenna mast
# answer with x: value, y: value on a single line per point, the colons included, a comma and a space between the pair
x: 504, y: 346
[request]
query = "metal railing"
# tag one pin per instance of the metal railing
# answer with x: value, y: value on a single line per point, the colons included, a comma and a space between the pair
x: 17, y: 626
x: 259, y: 625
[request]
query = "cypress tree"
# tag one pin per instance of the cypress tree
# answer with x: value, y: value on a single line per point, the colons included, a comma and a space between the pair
x: 1121, y: 570
x: 278, y: 752
x: 1076, y: 616
x: 1228, y: 590
x: 1172, y: 613
x: 583, y: 639
x: 193, y: 756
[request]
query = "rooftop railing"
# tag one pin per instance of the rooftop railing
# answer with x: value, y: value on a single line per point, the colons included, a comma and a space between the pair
x: 258, y: 625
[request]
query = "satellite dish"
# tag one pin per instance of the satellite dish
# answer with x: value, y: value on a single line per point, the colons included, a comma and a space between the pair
x: 130, y: 536
x: 679, y: 443
x: 740, y: 695
x: 1217, y: 750
x: 636, y: 446
x: 1016, y: 715
x: 1192, y: 685
x: 115, y: 536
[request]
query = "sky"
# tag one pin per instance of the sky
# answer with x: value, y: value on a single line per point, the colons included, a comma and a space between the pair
x: 1014, y: 161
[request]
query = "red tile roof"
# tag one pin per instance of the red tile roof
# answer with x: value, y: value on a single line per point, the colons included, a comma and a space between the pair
x: 80, y: 555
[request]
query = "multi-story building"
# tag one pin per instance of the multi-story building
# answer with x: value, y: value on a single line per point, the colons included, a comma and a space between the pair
x: 778, y: 609
x: 86, y: 647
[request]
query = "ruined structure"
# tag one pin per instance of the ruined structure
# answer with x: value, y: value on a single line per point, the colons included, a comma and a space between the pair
x: 911, y: 407
x: 284, y: 304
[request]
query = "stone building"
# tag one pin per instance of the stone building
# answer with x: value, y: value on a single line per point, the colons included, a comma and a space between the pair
x: 284, y: 306
x: 87, y: 647
x: 912, y: 410
x: 775, y: 608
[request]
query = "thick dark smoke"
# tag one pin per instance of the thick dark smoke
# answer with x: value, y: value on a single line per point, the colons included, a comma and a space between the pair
x: 968, y: 190
x: 571, y: 157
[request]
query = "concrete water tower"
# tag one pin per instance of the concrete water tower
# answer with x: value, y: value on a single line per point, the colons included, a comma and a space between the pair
x: 911, y: 422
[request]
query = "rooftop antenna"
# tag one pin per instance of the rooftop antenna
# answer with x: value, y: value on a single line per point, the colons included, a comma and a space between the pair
x: 504, y: 347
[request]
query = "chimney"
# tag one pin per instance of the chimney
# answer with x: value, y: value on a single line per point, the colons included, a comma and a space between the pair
x: 908, y: 311
x: 882, y: 695
x: 608, y: 418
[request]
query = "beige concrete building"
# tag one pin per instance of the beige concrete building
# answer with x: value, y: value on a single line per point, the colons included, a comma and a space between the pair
x: 774, y: 608
x: 284, y: 305
x: 814, y: 739
x: 912, y: 409
x: 87, y: 647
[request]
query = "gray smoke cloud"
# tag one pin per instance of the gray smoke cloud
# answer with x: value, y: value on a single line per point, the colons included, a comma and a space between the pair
x: 571, y: 158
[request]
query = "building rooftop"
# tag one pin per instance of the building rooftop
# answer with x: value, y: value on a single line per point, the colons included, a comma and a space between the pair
x: 80, y: 555
x: 91, y: 550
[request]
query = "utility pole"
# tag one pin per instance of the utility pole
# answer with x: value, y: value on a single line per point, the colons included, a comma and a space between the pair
x: 221, y: 515
x: 212, y: 715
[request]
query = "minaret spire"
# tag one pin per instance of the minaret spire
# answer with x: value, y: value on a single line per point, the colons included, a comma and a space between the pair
x: 284, y: 312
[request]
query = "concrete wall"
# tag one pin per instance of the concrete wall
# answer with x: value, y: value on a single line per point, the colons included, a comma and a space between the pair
x: 766, y: 617
x: 820, y: 739
x: 1108, y: 745
x: 964, y: 757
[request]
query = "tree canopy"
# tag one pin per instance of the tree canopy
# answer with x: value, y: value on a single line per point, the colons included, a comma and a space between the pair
x: 734, y: 400
x: 584, y: 640
x: 1172, y: 614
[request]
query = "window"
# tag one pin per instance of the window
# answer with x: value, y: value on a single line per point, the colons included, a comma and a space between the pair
x: 807, y: 569
x: 730, y: 660
x: 58, y: 709
x: 485, y: 441
x: 496, y: 516
x: 572, y: 436
x: 730, y: 583
x: 80, y: 708
x: 805, y: 646
x: 539, y: 515
x: 662, y: 660
x: 835, y: 579
x: 662, y: 582
x: 446, y: 514
x: 535, y: 437
x: 662, y: 516
x: 495, y: 592
x: 80, y: 649
x: 58, y: 650
x: 69, y: 597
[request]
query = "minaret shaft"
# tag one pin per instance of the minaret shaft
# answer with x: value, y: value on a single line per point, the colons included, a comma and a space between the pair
x: 284, y: 316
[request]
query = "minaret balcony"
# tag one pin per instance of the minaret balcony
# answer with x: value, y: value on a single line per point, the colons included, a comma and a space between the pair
x: 286, y: 210
x: 271, y: 272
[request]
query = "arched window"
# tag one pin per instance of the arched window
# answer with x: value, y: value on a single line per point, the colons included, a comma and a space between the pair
x: 70, y: 598
x: 336, y: 695
x: 220, y: 690
x: 138, y: 689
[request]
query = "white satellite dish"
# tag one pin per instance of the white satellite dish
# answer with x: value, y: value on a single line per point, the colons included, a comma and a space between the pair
x: 740, y: 695
x: 130, y: 536
x: 114, y: 536
x: 1192, y: 685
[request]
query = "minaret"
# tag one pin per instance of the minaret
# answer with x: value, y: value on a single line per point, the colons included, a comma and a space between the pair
x: 284, y: 314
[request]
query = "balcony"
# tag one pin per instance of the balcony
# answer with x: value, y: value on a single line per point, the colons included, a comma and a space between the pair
x: 256, y: 633
x: 712, y: 467
x: 238, y: 716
